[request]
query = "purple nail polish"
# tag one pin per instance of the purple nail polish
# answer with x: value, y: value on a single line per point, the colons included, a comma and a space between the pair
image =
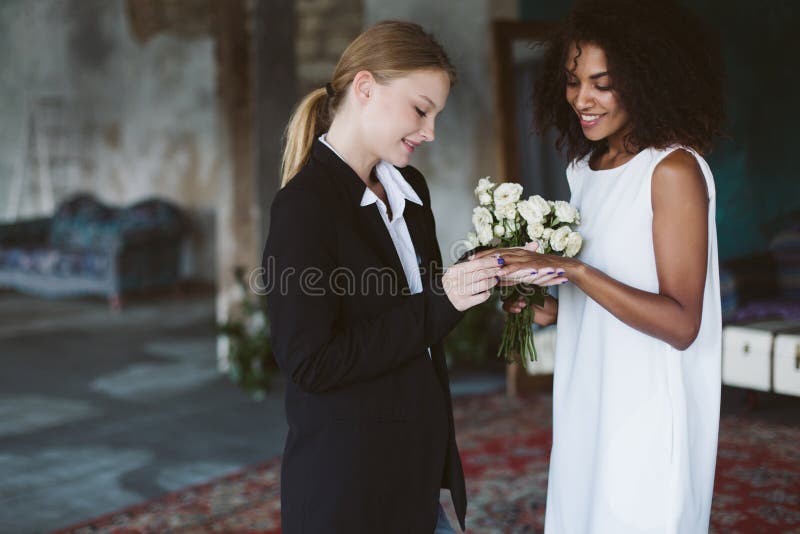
x: 497, y: 278
x: 560, y: 273
x: 563, y: 282
x: 534, y: 272
x: 500, y: 261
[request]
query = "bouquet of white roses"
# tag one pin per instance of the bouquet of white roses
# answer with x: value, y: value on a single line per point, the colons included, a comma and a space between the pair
x: 503, y: 219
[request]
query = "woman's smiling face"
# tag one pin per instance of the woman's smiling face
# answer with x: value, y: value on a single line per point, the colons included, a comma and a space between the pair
x: 590, y: 93
x: 401, y: 114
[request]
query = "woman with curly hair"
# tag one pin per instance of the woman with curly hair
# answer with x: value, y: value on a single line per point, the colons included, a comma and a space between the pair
x: 634, y: 90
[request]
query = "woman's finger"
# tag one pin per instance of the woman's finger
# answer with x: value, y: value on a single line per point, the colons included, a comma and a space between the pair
x: 517, y: 276
x: 500, y: 252
x: 477, y: 264
x: 544, y: 266
x: 558, y: 280
x: 543, y: 277
x: 483, y: 254
x: 479, y: 286
x: 473, y: 270
x: 478, y: 298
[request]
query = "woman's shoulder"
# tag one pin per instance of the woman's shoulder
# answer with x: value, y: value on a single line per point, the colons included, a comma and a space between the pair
x: 676, y: 160
x: 677, y: 173
x: 308, y: 203
x: 579, y: 164
x: 311, y: 185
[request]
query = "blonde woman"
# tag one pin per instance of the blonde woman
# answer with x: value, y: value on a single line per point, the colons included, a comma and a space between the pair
x: 359, y: 306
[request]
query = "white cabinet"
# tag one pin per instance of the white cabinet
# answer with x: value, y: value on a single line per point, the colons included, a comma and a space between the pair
x: 761, y: 356
x: 747, y: 357
x: 786, y: 363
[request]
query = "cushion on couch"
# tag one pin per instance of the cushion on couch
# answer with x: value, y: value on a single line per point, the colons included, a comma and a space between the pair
x: 55, y: 263
x: 151, y: 215
x: 83, y: 222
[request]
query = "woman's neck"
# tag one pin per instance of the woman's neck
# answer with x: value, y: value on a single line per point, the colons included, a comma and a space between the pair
x: 617, y: 151
x: 616, y: 147
x: 344, y: 138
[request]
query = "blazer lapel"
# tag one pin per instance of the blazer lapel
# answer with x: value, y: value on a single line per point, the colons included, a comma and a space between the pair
x: 368, y: 218
x: 424, y: 243
x: 374, y: 231
x: 414, y: 214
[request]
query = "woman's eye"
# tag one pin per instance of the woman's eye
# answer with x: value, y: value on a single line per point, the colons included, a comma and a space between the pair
x: 420, y: 112
x: 571, y: 83
x: 602, y: 88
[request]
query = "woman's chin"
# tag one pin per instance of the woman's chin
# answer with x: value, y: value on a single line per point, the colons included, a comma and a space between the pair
x: 593, y: 136
x: 399, y: 161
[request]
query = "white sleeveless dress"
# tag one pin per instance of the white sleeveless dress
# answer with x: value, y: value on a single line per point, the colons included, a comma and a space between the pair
x: 635, y: 421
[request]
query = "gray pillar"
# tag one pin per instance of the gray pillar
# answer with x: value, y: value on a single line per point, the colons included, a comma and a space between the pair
x: 275, y: 93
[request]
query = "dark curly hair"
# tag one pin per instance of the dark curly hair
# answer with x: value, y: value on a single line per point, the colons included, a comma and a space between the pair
x: 666, y: 67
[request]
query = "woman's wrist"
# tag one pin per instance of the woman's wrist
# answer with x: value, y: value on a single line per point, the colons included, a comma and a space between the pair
x: 574, y: 270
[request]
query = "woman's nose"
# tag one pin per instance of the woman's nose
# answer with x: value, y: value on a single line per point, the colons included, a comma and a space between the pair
x: 428, y: 132
x: 584, y: 98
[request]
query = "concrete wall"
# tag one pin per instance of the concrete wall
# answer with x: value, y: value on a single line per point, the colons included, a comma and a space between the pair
x: 465, y: 148
x: 105, y: 113
x: 324, y: 29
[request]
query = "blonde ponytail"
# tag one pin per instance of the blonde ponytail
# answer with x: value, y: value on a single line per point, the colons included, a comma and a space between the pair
x: 388, y: 50
x: 309, y: 120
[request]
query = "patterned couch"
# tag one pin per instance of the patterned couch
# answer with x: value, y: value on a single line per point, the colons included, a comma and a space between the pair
x: 87, y: 247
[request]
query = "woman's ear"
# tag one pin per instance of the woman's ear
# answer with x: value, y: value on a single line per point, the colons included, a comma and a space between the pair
x: 363, y: 86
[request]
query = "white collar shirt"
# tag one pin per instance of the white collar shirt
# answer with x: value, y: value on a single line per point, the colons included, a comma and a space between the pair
x: 398, y: 191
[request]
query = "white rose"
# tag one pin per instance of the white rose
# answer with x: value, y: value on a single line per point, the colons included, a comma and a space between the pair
x: 485, y: 235
x: 558, y: 241
x: 472, y: 240
x: 484, y: 185
x: 481, y: 217
x: 535, y: 231
x: 499, y: 231
x: 542, y: 248
x: 506, y: 211
x: 530, y: 212
x: 541, y: 204
x: 483, y: 221
x: 574, y: 243
x: 565, y: 212
x: 544, y: 241
x: 484, y: 191
x: 507, y: 193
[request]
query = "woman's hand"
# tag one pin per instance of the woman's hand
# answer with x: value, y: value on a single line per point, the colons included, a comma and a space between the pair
x: 525, y: 265
x: 470, y: 283
x: 544, y: 316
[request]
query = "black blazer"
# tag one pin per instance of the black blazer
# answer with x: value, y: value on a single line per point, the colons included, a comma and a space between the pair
x: 371, y: 437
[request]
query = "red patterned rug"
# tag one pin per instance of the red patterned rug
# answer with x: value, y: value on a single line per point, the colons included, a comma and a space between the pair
x: 505, y: 445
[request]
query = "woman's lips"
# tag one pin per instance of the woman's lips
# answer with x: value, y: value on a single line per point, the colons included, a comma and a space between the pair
x: 588, y: 120
x: 409, y: 145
